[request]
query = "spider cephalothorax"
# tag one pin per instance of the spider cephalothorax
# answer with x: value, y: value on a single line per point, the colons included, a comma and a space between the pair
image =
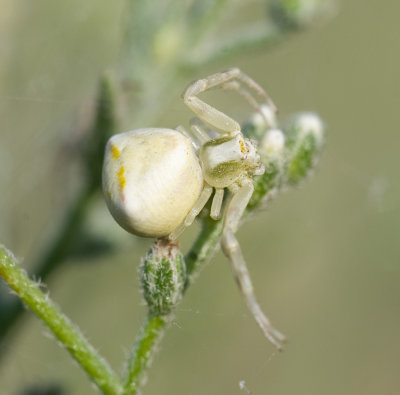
x: 225, y: 160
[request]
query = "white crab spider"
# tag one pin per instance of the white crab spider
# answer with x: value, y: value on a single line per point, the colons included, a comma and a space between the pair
x: 156, y: 183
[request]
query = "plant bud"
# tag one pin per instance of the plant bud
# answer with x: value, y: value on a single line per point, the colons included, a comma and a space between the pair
x: 272, y: 146
x: 300, y: 13
x: 272, y: 151
x: 162, y: 276
x: 305, y: 139
x: 260, y: 122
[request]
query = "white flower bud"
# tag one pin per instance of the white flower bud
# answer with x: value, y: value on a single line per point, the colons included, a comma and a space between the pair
x: 309, y: 122
x: 305, y: 139
x: 272, y: 146
x: 267, y: 118
x: 302, y: 13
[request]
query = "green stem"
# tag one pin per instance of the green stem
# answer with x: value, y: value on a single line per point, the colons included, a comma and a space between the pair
x: 256, y: 36
x: 145, y: 347
x: 70, y: 336
x: 203, y: 249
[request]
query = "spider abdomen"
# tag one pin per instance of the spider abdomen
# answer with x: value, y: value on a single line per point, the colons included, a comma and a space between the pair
x: 151, y: 179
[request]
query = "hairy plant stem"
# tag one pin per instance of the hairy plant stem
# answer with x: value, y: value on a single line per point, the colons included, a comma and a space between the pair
x: 69, y: 335
x: 203, y: 249
x: 145, y: 347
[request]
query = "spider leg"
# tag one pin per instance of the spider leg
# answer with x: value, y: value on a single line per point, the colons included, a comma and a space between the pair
x: 195, y: 141
x: 230, y: 79
x: 212, y: 116
x: 193, y: 213
x: 231, y: 249
x: 237, y: 87
x: 210, y: 82
x: 217, y: 203
x: 198, y: 128
x: 258, y: 89
x: 204, y: 111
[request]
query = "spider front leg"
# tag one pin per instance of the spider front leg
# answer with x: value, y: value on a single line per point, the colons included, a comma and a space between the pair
x: 236, y: 86
x: 232, y: 79
x: 207, y: 113
x: 198, y: 135
x: 231, y: 249
x: 193, y: 213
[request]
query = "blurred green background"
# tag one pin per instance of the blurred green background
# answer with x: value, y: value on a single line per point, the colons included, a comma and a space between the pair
x: 324, y: 258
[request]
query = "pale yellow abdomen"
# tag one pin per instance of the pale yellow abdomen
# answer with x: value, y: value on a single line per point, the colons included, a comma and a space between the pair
x: 151, y: 180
